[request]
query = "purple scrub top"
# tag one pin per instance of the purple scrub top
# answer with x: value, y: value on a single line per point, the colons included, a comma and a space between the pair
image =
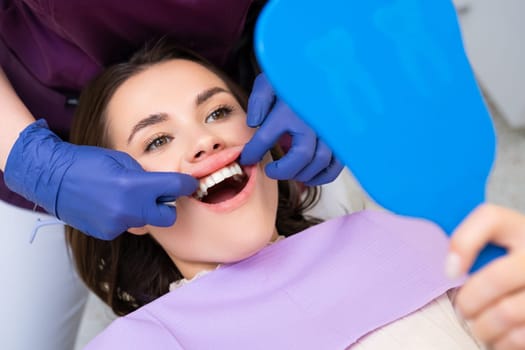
x: 50, y: 49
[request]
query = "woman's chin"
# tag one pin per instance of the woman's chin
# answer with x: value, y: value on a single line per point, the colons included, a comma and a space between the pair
x: 247, y: 247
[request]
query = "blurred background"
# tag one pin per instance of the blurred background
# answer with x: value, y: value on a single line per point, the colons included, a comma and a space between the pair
x: 493, y: 33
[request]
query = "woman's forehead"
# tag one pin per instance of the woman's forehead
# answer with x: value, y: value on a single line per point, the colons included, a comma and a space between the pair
x: 171, y: 87
x: 178, y: 78
x: 181, y: 71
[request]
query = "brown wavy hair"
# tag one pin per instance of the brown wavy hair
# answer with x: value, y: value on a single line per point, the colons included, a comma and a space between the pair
x: 132, y: 270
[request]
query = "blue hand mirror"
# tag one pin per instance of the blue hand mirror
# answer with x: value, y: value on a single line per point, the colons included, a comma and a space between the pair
x: 386, y: 83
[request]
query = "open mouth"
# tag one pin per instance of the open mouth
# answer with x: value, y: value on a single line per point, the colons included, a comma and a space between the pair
x: 222, y: 185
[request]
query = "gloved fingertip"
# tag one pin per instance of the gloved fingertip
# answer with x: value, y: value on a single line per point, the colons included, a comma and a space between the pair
x: 303, y: 179
x: 326, y: 176
x: 249, y: 155
x: 254, y: 115
x: 188, y: 184
x: 165, y: 216
x: 193, y: 183
x: 273, y: 171
x: 245, y: 160
x: 260, y: 102
x: 111, y: 237
x: 311, y: 183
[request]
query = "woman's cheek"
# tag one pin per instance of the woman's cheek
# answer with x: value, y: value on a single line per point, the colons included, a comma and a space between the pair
x: 242, y: 131
x: 167, y: 161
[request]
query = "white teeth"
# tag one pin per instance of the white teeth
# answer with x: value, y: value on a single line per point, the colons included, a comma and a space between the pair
x: 208, y: 182
x: 217, y: 177
x: 199, y: 194
x: 203, y: 187
x: 232, y: 170
x: 236, y: 169
x: 226, y: 172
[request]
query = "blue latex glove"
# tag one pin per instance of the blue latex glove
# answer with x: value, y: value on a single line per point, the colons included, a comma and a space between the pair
x: 309, y: 159
x: 101, y: 192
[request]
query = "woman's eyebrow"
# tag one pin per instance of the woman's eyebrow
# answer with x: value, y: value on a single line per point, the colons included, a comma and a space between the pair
x: 161, y: 117
x: 148, y: 121
x: 206, y: 94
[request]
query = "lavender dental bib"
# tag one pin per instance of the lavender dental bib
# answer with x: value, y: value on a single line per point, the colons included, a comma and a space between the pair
x: 321, y: 289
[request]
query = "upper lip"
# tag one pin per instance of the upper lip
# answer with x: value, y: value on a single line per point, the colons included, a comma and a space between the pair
x: 216, y: 161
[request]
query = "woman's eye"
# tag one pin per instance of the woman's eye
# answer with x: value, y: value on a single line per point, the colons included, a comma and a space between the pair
x: 158, y: 142
x: 219, y: 113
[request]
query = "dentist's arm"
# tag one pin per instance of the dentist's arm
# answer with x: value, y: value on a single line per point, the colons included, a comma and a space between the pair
x: 98, y: 191
x: 14, y: 117
x: 309, y: 159
x: 493, y: 299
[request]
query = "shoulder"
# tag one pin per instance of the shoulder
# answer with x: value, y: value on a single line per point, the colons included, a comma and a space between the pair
x: 435, y: 326
x: 138, y: 330
x: 389, y: 220
x: 381, y: 232
x: 383, y: 222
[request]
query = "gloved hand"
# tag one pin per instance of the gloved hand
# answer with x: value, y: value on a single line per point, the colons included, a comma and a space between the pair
x: 309, y: 159
x: 100, y: 192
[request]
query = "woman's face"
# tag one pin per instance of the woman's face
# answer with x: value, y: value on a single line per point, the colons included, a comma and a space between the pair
x: 178, y: 116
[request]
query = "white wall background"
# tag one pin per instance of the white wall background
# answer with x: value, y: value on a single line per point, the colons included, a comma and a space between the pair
x: 493, y: 31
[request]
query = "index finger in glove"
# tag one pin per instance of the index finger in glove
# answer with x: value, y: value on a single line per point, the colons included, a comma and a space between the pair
x: 262, y: 140
x: 260, y: 102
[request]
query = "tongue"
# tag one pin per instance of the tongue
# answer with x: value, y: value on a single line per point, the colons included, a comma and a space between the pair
x: 220, y: 195
x: 223, y: 191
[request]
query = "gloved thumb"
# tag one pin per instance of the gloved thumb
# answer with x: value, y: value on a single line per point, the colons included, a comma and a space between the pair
x: 167, y: 187
x: 161, y: 215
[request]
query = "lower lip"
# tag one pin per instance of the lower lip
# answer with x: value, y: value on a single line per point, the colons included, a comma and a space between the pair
x: 239, y: 199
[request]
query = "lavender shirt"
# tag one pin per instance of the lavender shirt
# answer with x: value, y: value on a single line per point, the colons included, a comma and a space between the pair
x: 321, y: 289
x: 50, y: 49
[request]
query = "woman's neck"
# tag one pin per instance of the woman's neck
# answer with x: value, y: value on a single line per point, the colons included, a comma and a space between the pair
x: 190, y: 269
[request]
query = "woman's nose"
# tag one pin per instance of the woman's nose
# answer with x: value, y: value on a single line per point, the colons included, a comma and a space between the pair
x: 205, y: 146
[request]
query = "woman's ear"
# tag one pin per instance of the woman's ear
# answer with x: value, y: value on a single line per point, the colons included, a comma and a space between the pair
x: 139, y: 231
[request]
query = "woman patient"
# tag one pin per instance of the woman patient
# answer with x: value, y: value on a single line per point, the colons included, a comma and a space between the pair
x: 222, y: 276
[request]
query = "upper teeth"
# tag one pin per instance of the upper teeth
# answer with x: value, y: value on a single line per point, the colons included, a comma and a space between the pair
x: 217, y: 177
